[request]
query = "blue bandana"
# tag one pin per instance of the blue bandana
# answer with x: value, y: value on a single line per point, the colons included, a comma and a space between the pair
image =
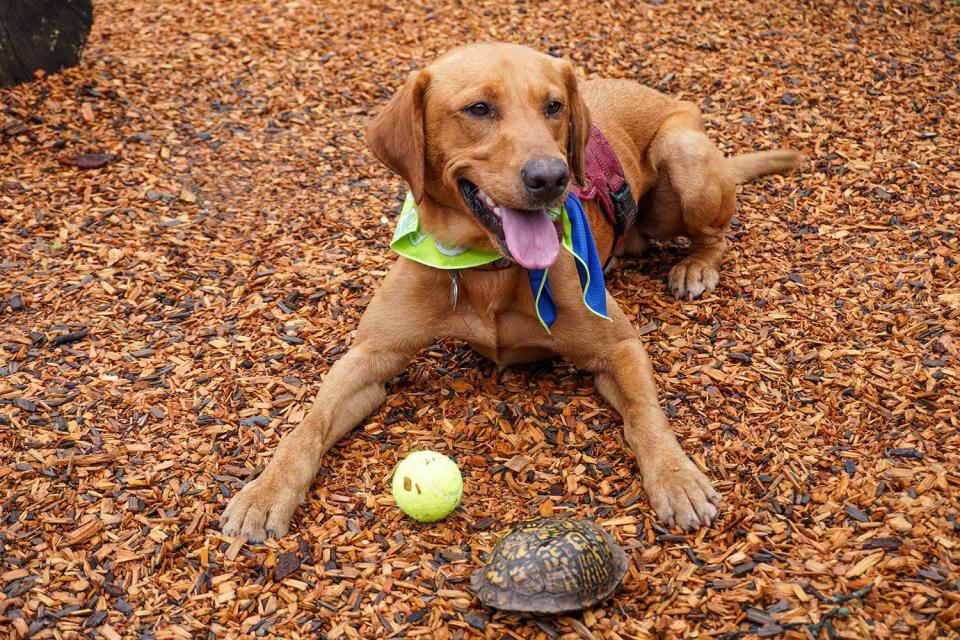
x: 578, y: 240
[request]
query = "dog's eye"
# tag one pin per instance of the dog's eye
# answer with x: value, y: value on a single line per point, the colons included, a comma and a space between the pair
x: 479, y: 109
x: 554, y: 107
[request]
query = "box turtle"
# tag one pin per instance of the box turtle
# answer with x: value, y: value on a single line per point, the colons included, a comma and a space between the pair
x: 551, y: 565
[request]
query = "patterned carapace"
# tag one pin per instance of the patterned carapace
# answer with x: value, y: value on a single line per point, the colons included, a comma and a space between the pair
x: 550, y: 565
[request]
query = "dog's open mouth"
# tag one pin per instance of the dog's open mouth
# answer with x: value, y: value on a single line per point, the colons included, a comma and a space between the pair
x: 528, y: 235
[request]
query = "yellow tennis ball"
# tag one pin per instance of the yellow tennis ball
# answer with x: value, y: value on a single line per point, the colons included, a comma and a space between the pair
x: 427, y: 486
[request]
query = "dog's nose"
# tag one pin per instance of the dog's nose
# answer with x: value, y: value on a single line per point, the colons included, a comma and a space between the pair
x: 545, y: 178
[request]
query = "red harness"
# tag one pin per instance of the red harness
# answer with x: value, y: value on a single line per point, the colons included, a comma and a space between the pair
x: 605, y: 183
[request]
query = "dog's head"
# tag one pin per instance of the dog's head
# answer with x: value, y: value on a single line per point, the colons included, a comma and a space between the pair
x: 488, y: 138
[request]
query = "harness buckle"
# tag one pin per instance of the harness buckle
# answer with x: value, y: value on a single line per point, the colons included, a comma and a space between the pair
x: 624, y: 207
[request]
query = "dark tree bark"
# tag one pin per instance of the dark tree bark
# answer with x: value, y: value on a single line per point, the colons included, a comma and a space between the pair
x: 41, y: 34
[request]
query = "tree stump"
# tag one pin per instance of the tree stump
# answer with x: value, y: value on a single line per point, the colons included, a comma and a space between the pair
x: 43, y: 35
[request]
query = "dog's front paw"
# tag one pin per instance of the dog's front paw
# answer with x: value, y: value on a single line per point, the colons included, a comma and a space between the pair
x: 681, y: 494
x: 691, y: 278
x: 261, y: 509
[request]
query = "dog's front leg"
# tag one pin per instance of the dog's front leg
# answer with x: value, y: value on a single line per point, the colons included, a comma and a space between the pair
x: 390, y: 333
x: 679, y: 492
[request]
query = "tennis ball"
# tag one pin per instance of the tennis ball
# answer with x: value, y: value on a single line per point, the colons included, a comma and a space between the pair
x: 427, y: 486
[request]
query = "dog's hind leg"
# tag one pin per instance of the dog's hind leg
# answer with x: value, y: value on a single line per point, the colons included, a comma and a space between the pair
x: 702, y: 197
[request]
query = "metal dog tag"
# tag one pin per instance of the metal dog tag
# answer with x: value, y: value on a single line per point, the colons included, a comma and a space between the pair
x: 454, y: 287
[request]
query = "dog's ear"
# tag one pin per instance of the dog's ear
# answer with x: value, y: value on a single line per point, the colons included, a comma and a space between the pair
x: 396, y: 135
x: 579, y: 127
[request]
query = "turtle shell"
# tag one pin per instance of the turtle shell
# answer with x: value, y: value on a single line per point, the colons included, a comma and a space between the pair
x: 551, y: 565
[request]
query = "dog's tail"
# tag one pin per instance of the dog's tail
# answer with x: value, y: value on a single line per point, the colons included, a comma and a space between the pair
x: 753, y: 165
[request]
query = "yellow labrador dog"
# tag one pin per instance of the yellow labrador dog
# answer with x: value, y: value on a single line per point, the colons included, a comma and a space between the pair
x: 488, y: 138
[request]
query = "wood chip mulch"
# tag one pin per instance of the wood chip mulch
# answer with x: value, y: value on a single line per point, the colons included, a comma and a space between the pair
x: 191, y: 225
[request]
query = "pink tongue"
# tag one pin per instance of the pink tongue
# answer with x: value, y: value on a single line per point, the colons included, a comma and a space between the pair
x: 531, y: 237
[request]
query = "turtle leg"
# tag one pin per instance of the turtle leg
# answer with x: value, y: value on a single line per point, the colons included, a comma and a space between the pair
x: 396, y: 325
x: 679, y: 492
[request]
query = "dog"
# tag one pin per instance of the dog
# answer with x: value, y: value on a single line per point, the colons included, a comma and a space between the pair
x: 488, y: 138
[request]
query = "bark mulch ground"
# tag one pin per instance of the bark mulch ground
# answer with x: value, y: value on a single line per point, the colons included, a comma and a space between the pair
x: 192, y: 225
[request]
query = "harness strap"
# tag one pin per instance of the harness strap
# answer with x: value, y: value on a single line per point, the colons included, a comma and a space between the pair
x: 606, y: 184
